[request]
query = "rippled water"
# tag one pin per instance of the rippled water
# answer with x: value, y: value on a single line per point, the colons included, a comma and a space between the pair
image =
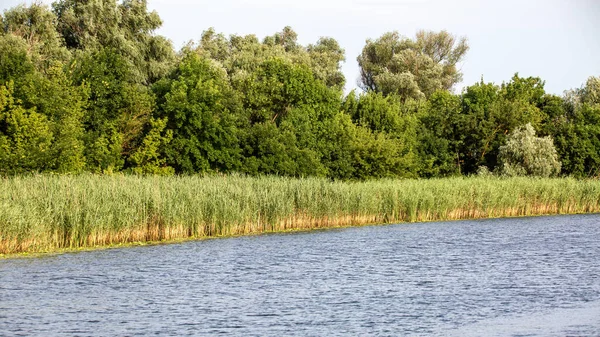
x: 510, y: 277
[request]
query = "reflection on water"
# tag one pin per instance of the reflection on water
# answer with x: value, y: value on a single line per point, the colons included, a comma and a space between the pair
x: 510, y: 277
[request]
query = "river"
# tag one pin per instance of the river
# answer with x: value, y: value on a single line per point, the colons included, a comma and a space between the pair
x: 506, y: 277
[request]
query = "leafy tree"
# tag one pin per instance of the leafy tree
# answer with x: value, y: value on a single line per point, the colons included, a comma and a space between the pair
x: 270, y: 149
x: 554, y: 114
x: 299, y: 105
x: 411, y: 68
x: 63, y: 104
x: 25, y: 136
x: 199, y: 106
x: 289, y: 96
x: 526, y: 154
x: 440, y: 135
x: 590, y: 93
x: 119, y: 108
x: 15, y: 63
x: 47, y: 95
x: 337, y: 146
x: 384, y: 114
x: 490, y: 112
x: 577, y: 130
x: 376, y: 155
x: 148, y: 157
x: 325, y: 59
x: 277, y: 86
x: 390, y: 121
x: 243, y: 54
x: 287, y: 38
x: 35, y: 25
x: 126, y: 27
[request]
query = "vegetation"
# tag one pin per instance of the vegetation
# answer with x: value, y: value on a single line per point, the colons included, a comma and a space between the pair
x: 525, y: 154
x: 412, y: 68
x: 48, y: 212
x: 87, y: 86
x: 88, y: 90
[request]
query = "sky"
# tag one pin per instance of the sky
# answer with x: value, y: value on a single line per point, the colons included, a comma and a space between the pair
x: 557, y: 40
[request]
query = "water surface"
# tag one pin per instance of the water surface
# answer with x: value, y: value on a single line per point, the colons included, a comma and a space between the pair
x: 508, y: 277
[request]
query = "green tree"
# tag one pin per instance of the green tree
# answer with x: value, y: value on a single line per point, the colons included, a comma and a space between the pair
x: 590, y: 93
x: 148, y: 158
x: 490, y: 112
x: 440, y: 135
x: 15, y: 63
x: 577, y: 130
x: 44, y: 89
x: 411, y: 68
x: 119, y: 109
x: 390, y: 121
x: 243, y: 54
x: 125, y: 27
x: 25, y: 136
x: 64, y: 105
x: 377, y: 155
x: 35, y: 25
x: 326, y: 57
x: 200, y: 108
x: 270, y: 149
x: 288, y: 97
x: 337, y: 144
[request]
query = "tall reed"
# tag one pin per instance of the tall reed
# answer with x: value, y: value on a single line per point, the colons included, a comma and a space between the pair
x: 43, y: 213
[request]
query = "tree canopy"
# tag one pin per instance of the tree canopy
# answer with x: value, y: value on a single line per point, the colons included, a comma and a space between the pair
x: 88, y: 86
x: 411, y: 68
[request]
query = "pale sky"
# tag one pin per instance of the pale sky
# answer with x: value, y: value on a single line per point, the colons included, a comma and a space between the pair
x: 557, y: 40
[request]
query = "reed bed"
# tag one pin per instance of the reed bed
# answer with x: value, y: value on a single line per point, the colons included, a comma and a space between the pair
x: 43, y: 213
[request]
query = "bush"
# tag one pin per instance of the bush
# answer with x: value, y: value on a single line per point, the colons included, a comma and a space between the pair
x: 527, y: 155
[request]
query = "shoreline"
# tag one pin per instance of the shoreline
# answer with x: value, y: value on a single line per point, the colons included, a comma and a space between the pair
x: 61, y: 251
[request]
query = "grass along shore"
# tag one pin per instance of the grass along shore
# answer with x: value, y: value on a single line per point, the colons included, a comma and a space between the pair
x: 46, y: 213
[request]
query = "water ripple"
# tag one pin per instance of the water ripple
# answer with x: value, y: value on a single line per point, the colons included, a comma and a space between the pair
x: 510, y: 277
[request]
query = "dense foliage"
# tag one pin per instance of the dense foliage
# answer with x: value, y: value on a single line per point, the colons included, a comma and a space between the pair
x: 89, y: 86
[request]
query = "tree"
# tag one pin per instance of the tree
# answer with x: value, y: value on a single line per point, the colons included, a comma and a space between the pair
x: 199, y: 106
x: 285, y: 102
x: 118, y: 116
x: 326, y: 56
x: 42, y: 93
x: 490, y: 112
x: 243, y: 54
x: 526, y: 154
x: 440, y: 135
x: 590, y: 93
x: 411, y: 68
x: 288, y: 96
x: 577, y: 131
x: 148, y: 157
x: 63, y: 103
x: 377, y: 155
x: 392, y: 126
x: 379, y: 113
x: 126, y: 27
x: 25, y: 136
x: 35, y: 25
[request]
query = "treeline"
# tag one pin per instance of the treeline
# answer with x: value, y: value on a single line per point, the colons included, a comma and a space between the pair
x: 88, y: 86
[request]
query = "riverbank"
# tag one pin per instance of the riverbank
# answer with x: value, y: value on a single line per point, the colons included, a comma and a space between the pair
x: 46, y: 213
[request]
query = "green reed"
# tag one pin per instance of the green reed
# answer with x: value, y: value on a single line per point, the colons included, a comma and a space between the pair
x: 42, y: 213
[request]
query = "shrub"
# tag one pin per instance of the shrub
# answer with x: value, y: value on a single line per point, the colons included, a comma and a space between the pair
x: 527, y: 155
